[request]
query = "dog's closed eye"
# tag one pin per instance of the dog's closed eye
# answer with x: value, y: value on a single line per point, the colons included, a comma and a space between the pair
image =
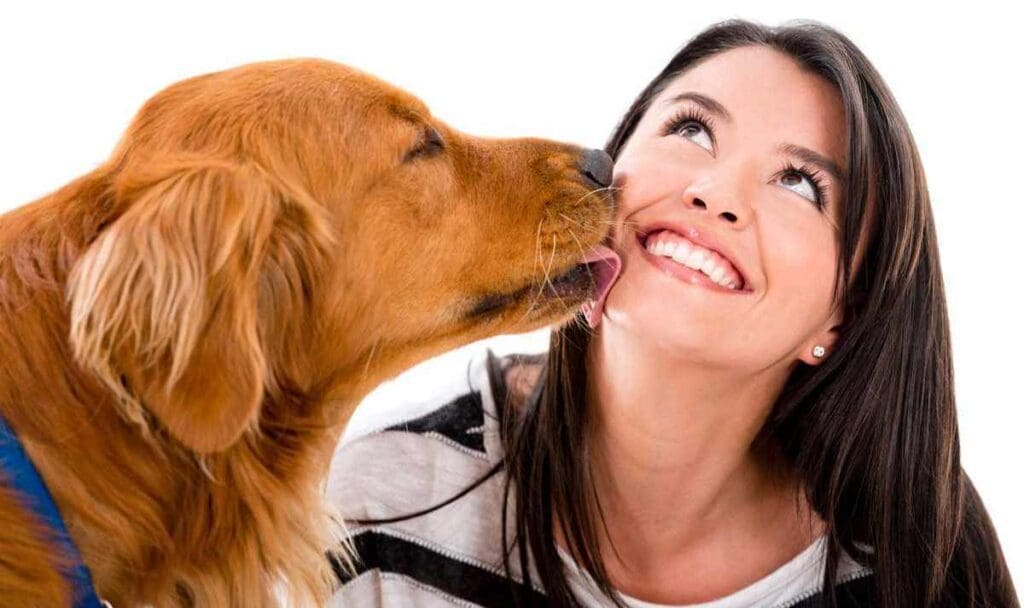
x: 430, y: 144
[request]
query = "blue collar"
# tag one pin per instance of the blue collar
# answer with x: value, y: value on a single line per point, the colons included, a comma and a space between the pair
x: 23, y: 477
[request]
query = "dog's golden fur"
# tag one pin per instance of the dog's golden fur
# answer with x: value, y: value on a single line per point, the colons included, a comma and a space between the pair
x: 185, y: 330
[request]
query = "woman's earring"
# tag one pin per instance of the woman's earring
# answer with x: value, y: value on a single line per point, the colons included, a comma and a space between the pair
x: 819, y: 351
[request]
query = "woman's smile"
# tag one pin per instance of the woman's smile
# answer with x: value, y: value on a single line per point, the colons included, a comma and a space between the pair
x: 684, y: 273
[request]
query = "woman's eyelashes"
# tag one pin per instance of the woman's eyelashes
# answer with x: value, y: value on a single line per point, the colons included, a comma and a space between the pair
x: 693, y: 124
x: 682, y: 121
x: 815, y: 186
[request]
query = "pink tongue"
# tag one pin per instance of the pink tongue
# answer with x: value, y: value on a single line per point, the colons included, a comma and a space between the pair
x: 605, y: 265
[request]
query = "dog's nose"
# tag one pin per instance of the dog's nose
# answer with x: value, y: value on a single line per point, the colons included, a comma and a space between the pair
x: 596, y: 166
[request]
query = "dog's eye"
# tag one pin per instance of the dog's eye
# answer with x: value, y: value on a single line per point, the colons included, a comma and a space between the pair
x: 430, y: 145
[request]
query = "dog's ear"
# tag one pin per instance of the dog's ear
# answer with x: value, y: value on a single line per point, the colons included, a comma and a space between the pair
x: 165, y: 302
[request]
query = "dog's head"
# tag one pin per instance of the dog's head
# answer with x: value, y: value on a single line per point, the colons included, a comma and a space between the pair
x: 281, y: 222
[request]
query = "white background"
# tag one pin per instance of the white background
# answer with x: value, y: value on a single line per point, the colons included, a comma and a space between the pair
x: 73, y: 75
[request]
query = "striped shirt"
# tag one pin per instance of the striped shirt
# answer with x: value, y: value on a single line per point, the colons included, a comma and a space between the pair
x: 423, y: 453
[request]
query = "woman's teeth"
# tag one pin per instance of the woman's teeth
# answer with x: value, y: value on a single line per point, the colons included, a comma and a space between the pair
x: 675, y: 247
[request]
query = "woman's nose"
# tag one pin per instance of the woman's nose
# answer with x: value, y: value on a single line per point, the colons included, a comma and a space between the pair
x: 721, y: 194
x: 731, y: 216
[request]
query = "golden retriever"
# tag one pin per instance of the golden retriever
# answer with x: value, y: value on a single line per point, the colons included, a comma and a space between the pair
x: 185, y: 330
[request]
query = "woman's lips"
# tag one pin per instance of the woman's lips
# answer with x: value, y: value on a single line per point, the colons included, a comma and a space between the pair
x: 684, y: 273
x: 701, y: 237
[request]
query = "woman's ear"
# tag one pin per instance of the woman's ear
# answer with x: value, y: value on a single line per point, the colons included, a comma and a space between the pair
x: 816, y: 350
x: 164, y: 302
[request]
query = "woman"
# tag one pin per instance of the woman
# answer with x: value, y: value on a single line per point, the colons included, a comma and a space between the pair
x: 761, y: 411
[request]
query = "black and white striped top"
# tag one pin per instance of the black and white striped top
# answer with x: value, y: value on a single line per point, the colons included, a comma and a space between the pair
x: 423, y: 453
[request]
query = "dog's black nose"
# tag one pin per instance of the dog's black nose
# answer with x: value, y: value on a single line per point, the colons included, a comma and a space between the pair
x: 596, y: 166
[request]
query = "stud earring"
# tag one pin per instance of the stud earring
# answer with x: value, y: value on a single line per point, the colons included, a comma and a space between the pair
x: 819, y: 351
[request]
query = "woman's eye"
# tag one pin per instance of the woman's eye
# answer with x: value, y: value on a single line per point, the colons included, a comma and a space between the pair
x: 695, y: 132
x: 802, y: 185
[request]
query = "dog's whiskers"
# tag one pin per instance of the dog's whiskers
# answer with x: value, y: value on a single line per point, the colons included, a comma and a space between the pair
x: 593, y: 192
x: 583, y: 253
x: 569, y: 219
x: 547, y: 272
x: 537, y: 258
x: 588, y: 222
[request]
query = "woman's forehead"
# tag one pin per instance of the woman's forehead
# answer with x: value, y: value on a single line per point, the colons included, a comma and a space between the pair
x: 764, y: 91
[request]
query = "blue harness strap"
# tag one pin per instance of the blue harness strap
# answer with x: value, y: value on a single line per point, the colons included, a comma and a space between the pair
x: 23, y: 477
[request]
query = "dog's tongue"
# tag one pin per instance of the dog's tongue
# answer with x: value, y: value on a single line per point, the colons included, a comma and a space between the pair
x: 604, y: 266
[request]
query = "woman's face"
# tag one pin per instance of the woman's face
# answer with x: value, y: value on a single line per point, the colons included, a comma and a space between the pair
x: 727, y: 156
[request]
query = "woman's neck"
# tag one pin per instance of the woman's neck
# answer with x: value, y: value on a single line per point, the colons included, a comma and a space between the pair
x: 680, y: 486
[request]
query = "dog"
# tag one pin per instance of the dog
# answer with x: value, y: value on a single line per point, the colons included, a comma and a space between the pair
x: 185, y: 330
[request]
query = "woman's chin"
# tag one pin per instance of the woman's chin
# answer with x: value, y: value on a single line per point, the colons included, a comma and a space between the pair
x: 654, y: 303
x: 660, y: 321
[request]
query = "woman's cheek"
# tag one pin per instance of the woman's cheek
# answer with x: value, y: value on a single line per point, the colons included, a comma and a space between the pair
x: 648, y: 175
x: 805, y: 259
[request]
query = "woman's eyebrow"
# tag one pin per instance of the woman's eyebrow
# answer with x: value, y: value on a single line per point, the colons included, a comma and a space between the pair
x: 804, y: 154
x: 708, y: 103
x: 810, y: 156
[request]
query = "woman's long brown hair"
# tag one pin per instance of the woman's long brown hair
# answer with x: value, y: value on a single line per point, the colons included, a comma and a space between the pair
x: 872, y: 431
